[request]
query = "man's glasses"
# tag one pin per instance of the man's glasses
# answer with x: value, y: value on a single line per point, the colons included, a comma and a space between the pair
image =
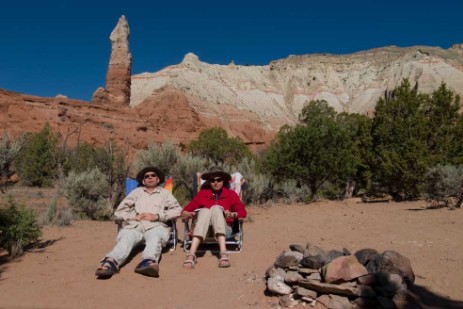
x: 150, y: 175
x: 212, y: 180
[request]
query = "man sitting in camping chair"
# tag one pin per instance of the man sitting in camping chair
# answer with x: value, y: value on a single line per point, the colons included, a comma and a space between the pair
x: 145, y: 212
x: 217, y: 206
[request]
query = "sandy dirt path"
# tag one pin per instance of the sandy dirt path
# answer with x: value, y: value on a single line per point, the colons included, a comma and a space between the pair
x: 60, y: 273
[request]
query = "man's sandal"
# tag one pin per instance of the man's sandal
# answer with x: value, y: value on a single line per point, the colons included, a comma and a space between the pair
x: 190, y: 262
x: 107, y: 269
x: 224, y: 260
x: 148, y: 268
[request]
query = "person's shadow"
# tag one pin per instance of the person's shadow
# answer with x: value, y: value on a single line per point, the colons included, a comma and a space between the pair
x: 421, y: 298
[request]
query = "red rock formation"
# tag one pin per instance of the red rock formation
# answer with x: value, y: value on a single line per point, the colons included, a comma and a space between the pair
x: 165, y: 116
x: 118, y: 77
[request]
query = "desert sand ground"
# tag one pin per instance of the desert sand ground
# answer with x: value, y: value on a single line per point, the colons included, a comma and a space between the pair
x: 59, y: 271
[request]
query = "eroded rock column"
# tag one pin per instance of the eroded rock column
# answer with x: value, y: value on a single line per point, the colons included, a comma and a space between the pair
x: 118, y: 77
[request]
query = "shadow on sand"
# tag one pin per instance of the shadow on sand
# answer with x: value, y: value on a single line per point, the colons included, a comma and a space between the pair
x: 36, y: 247
x: 422, y: 298
x: 432, y: 207
x: 40, y: 245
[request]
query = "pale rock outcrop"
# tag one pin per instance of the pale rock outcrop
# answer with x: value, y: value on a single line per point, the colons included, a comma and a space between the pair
x: 275, y: 94
x: 118, y: 77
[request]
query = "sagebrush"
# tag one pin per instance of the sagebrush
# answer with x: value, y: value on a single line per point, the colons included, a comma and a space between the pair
x: 87, y: 194
x: 18, y: 227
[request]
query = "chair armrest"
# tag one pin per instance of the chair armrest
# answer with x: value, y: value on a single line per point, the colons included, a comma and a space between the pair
x: 118, y: 221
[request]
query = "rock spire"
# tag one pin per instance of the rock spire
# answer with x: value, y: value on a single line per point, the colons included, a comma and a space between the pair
x: 118, y: 77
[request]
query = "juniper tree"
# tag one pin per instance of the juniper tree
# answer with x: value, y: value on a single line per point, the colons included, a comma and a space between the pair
x: 215, y: 144
x: 315, y: 151
x: 36, y: 164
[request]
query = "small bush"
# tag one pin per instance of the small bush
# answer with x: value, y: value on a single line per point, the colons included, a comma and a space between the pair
x: 214, y: 144
x: 443, y: 182
x: 164, y: 157
x: 87, y: 194
x: 36, y: 161
x: 184, y: 171
x: 9, y: 149
x: 331, y: 191
x: 183, y: 195
x: 259, y: 189
x: 18, y: 228
x: 64, y: 216
x: 51, y: 209
x: 56, y: 216
x: 291, y: 192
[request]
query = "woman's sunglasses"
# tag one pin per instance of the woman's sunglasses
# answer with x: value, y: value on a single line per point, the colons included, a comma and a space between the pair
x: 219, y: 179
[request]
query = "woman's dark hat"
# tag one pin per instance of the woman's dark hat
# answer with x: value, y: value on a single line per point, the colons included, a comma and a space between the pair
x: 141, y: 174
x: 216, y: 171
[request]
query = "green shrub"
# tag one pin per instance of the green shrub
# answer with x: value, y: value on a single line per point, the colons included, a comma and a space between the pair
x: 319, y: 149
x: 259, y: 190
x: 331, y: 191
x: 18, y: 227
x: 411, y: 133
x: 183, y: 195
x: 164, y: 157
x: 291, y: 192
x: 52, y: 208
x: 56, y: 216
x: 110, y: 160
x: 64, y: 216
x: 87, y: 194
x: 184, y: 171
x: 9, y: 149
x: 84, y: 157
x: 36, y: 161
x: 258, y: 186
x: 215, y: 145
x: 443, y: 182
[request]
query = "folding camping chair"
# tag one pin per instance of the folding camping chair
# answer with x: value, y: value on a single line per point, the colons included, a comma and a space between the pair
x: 235, y: 241
x: 131, y: 184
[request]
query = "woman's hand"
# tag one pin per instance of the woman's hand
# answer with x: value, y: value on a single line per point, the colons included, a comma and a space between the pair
x: 229, y: 214
x: 186, y: 215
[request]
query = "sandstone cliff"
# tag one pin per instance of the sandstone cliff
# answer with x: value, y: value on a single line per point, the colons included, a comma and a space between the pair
x: 275, y: 94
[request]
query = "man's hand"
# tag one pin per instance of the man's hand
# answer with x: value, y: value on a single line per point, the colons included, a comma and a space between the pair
x: 146, y: 216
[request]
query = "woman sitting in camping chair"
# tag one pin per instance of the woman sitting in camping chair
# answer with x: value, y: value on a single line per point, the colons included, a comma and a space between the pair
x: 217, y: 206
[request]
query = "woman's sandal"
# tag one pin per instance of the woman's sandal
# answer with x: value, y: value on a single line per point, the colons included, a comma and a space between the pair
x: 224, y: 260
x: 107, y: 269
x: 190, y: 262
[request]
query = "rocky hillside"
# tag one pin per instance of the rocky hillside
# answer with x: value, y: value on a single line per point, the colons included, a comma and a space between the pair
x: 251, y: 102
x: 165, y: 116
x: 275, y: 94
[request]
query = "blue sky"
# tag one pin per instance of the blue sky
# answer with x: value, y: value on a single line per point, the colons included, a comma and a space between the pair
x: 52, y: 47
